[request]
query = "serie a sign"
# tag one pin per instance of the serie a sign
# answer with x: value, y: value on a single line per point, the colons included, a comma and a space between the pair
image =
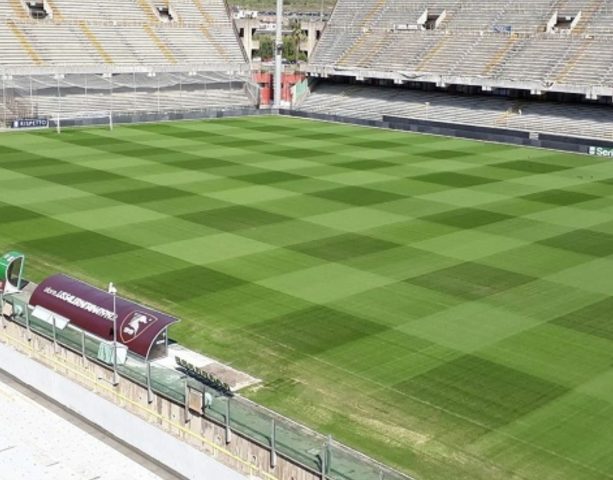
x: 31, y: 123
x: 601, y: 152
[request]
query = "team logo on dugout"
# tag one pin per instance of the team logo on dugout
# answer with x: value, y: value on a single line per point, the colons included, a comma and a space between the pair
x: 135, y: 324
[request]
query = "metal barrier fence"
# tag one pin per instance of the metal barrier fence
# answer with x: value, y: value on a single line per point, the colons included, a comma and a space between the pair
x: 301, y: 445
x: 67, y: 96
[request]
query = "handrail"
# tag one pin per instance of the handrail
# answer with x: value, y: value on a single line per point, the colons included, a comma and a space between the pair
x: 99, y: 385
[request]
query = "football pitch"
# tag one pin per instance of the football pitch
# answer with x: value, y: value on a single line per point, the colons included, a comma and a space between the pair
x: 443, y: 305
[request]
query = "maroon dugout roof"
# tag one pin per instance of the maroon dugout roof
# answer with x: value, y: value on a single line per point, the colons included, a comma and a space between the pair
x: 91, y: 309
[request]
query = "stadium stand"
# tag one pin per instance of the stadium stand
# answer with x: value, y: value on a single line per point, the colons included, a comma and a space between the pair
x: 66, y: 59
x: 557, y: 45
x: 120, y: 32
x: 366, y: 102
x: 89, y: 96
x: 520, y: 59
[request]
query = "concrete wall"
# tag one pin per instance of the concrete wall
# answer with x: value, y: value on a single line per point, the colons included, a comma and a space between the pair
x: 128, y: 118
x: 501, y: 135
x: 312, y: 30
x: 153, y: 442
x: 247, y: 28
x: 199, y: 433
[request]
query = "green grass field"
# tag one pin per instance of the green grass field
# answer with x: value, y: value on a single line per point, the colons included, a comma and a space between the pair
x: 443, y: 305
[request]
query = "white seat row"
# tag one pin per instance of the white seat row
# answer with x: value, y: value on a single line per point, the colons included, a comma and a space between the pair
x: 363, y: 101
x: 121, y: 32
x: 498, y: 39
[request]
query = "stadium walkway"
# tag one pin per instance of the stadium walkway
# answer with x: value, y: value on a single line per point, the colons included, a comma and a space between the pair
x: 41, y: 441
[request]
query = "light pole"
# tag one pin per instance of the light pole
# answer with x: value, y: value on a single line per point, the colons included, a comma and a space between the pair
x: 113, y: 291
x: 278, y: 54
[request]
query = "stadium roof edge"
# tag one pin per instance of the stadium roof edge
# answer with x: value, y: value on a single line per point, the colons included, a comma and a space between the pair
x: 443, y: 80
x: 234, y: 68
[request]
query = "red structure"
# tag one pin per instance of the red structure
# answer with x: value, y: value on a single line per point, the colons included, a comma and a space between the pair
x: 142, y: 330
x: 266, y: 82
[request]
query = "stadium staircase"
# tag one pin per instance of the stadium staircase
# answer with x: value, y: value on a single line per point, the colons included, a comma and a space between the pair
x: 504, y: 119
x: 500, y: 56
x: 19, y: 9
x: 25, y: 42
x: 588, y: 14
x: 431, y: 53
x: 205, y: 29
x: 160, y: 44
x: 572, y: 59
x: 203, y: 12
x: 354, y: 51
x: 104, y: 55
x: 377, y: 44
x: 147, y: 9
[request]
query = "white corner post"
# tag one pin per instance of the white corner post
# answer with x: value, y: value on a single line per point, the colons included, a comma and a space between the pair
x: 278, y: 54
x: 228, y: 427
x: 54, y: 333
x: 28, y: 329
x: 273, y: 444
x: 83, y: 346
x: 2, y: 309
x: 187, y: 415
x: 149, y: 390
x: 326, y: 458
x: 113, y: 292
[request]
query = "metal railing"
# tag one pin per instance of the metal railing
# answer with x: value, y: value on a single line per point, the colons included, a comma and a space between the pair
x: 86, y: 95
x: 312, y: 451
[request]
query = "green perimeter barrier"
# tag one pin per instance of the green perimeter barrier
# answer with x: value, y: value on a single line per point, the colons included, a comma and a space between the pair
x: 249, y: 422
x: 290, y: 439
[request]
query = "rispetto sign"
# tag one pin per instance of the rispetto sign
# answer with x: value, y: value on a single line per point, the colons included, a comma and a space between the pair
x: 31, y: 123
x: 601, y: 152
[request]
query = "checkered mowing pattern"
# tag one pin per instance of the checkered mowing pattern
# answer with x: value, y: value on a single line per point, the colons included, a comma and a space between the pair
x: 441, y: 304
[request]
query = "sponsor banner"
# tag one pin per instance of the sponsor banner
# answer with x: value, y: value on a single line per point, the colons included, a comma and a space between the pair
x: 80, y: 303
x: 502, y: 28
x: 31, y: 123
x: 601, y: 152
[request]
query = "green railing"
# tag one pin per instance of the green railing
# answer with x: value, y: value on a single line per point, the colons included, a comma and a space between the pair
x: 303, y: 446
